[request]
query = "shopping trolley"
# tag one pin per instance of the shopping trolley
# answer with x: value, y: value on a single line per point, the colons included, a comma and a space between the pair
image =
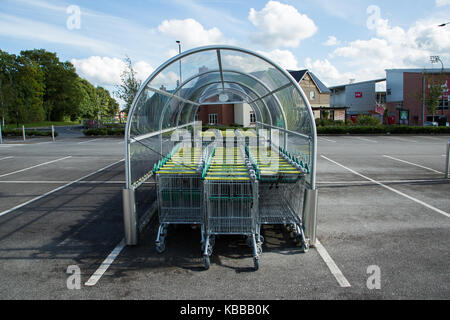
x: 231, y: 200
x: 281, y: 189
x: 179, y: 191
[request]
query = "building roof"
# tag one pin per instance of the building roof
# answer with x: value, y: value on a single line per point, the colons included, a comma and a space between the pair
x: 357, y: 83
x: 300, y: 74
x: 416, y: 70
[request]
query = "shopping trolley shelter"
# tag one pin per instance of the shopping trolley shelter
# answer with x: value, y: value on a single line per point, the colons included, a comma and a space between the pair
x: 224, y: 214
x: 225, y: 182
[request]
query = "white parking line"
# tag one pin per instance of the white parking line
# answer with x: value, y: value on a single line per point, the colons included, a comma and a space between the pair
x: 402, y: 139
x: 64, y: 182
x: 89, y: 141
x: 413, y: 164
x: 6, y: 158
x: 337, y: 273
x: 364, y: 139
x: 329, y: 140
x: 105, y: 264
x: 371, y: 183
x: 39, y: 165
x: 57, y: 189
x: 391, y: 189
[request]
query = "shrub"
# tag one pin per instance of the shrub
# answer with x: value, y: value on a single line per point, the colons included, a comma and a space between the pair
x: 364, y: 120
x: 28, y: 133
x: 104, y: 132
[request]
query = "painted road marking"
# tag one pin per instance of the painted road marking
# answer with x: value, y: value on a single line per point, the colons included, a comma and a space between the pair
x: 391, y: 189
x: 6, y: 158
x: 329, y: 140
x: 57, y: 189
x: 413, y: 164
x: 105, y: 264
x: 371, y: 183
x: 337, y: 273
x: 64, y: 182
x: 89, y: 141
x: 39, y: 165
x: 364, y: 139
x: 402, y: 139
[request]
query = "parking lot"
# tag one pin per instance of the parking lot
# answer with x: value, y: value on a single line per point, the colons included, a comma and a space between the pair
x: 383, y: 201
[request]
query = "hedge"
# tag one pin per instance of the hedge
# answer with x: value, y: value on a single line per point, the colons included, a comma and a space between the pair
x: 382, y: 130
x: 104, y: 132
x: 28, y: 133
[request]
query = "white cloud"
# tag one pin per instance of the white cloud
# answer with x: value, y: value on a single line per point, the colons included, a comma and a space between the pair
x: 281, y: 25
x: 327, y: 72
x: 332, y: 41
x: 441, y: 3
x: 106, y: 71
x: 284, y: 58
x: 395, y: 47
x: 191, y: 33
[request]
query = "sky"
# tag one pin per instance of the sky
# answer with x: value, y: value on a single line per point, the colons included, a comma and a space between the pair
x: 337, y: 40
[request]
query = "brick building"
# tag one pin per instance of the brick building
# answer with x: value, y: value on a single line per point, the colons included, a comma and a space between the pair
x: 405, y: 89
x: 241, y: 113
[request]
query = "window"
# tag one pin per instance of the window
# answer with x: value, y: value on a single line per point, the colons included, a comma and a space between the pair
x: 196, y: 117
x: 252, y: 117
x: 312, y: 95
x: 212, y: 118
x: 443, y: 104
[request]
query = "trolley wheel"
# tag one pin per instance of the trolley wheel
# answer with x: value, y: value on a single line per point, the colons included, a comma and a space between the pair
x: 305, y: 247
x: 256, y: 264
x: 160, y: 247
x: 207, y: 262
x: 259, y: 249
x: 261, y: 239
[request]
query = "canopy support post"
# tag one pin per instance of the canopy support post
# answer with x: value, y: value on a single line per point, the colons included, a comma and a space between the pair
x: 129, y: 217
x: 310, y: 208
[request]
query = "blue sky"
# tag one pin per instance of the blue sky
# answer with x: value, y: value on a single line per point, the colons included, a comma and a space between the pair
x: 337, y: 40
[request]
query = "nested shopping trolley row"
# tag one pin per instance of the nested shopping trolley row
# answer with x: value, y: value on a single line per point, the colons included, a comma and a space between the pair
x: 230, y: 191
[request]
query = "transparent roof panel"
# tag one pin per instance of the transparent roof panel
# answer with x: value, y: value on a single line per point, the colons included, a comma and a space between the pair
x: 173, y: 94
x: 171, y: 97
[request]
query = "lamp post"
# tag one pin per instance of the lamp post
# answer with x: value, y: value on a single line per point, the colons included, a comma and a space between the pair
x: 179, y: 51
x: 436, y: 59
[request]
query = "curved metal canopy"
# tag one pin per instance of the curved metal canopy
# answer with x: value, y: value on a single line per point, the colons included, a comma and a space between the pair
x: 172, y: 95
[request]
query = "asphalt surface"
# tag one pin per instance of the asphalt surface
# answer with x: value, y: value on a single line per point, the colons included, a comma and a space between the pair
x: 385, y: 213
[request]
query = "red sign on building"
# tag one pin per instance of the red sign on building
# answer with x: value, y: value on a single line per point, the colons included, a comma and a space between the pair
x: 358, y: 95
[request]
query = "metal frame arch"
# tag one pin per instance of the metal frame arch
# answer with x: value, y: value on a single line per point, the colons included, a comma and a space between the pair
x: 218, y: 47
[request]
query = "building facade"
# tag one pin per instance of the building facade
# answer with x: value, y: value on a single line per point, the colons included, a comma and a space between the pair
x: 358, y: 98
x: 213, y: 112
x: 318, y: 95
x: 407, y: 91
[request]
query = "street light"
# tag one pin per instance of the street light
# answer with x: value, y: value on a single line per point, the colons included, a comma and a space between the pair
x: 179, y: 51
x: 436, y: 59
x: 444, y: 24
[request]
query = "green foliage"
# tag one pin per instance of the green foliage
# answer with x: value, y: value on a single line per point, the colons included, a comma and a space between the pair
x: 364, y: 120
x: 104, y: 132
x: 326, y: 122
x: 129, y: 87
x: 28, y: 133
x: 37, y: 86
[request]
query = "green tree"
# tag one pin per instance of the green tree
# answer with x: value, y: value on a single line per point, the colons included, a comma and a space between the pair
x: 129, y: 87
x: 61, y: 96
x: 434, y: 93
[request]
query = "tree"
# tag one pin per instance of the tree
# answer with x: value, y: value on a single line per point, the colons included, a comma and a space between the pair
x: 61, y: 84
x: 129, y: 87
x: 21, y: 90
x: 434, y: 93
